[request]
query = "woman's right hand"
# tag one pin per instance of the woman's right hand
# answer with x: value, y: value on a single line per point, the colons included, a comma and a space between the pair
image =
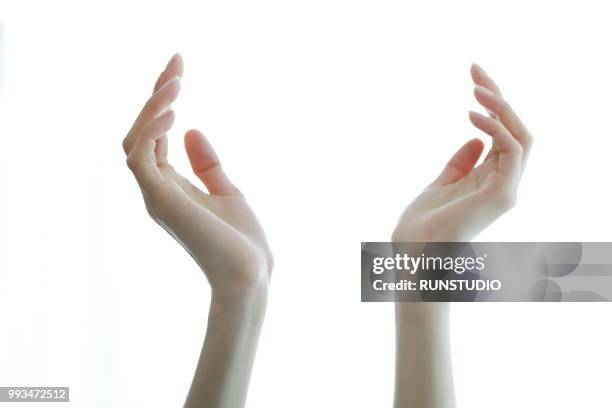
x: 217, y: 228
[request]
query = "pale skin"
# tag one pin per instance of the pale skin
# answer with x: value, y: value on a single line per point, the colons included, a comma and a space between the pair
x: 222, y: 234
x: 218, y: 229
x: 461, y: 202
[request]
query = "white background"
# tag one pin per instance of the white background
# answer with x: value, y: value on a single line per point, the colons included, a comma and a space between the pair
x: 330, y: 116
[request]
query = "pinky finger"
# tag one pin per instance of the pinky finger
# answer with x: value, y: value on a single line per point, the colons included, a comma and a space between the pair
x: 480, y: 77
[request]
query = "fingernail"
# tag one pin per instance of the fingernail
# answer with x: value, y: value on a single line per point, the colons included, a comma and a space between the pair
x: 174, y: 79
x: 168, y: 83
x: 481, y: 69
x: 174, y: 57
x: 482, y: 89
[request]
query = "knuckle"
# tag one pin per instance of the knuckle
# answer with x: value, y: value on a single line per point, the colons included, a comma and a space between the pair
x: 516, y: 147
x: 131, y: 162
x: 125, y: 145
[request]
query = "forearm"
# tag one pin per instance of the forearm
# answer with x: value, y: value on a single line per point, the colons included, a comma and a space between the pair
x: 222, y: 375
x: 423, y: 369
x: 423, y: 372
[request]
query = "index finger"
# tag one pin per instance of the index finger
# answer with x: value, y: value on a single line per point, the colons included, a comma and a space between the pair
x: 174, y: 68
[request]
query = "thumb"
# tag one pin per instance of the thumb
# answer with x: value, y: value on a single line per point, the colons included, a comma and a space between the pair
x: 462, y: 162
x: 206, y: 165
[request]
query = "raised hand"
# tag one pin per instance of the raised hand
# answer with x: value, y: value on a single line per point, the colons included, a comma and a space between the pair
x: 457, y: 206
x: 465, y: 199
x: 217, y: 228
x: 220, y: 232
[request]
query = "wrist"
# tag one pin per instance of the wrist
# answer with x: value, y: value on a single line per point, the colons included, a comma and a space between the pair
x: 430, y: 232
x: 424, y: 314
x: 242, y: 306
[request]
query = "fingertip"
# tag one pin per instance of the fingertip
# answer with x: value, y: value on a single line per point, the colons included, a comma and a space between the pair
x: 178, y: 62
x: 476, y: 70
x: 171, y: 60
x: 170, y: 118
x: 479, y: 147
x: 195, y: 141
x: 160, y: 126
x: 193, y: 134
x: 461, y: 163
x: 472, y: 149
x: 479, y: 120
x: 174, y: 69
x: 476, y: 143
x: 486, y: 97
x: 171, y: 115
x: 474, y: 115
x: 175, y: 60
